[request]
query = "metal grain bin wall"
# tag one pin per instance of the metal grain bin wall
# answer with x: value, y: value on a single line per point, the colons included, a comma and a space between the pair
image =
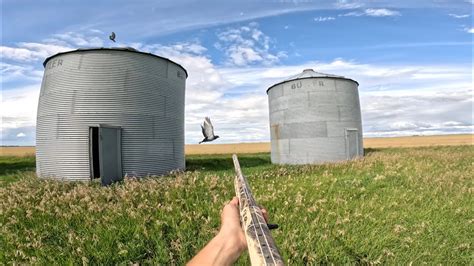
x: 315, y: 118
x: 110, y: 111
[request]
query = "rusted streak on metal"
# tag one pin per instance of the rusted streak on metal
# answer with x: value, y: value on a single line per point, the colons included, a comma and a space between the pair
x: 261, y: 246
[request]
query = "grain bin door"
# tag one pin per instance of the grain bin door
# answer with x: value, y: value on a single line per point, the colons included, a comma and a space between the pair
x: 110, y: 152
x: 352, y: 143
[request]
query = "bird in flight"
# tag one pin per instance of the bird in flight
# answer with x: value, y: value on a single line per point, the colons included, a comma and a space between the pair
x: 112, y: 36
x: 208, y: 131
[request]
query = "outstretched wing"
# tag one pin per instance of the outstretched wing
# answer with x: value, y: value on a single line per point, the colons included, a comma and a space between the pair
x: 207, y: 128
x: 112, y: 36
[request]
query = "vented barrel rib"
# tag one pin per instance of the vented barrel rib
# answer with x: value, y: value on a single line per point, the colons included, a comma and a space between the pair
x: 261, y: 246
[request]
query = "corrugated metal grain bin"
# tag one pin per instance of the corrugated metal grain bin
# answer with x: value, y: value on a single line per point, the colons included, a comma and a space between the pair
x: 110, y: 112
x: 315, y: 118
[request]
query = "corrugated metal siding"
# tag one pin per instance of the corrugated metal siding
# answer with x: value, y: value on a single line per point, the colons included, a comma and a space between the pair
x: 309, y: 118
x: 142, y: 94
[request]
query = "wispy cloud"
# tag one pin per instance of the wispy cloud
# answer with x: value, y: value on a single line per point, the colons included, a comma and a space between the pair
x: 348, y: 4
x: 459, y: 16
x: 323, y: 19
x: 373, y: 12
x: 247, y: 45
x: 469, y: 30
x: 382, y: 12
x: 14, y: 72
x: 25, y: 52
x: 418, y: 44
x: 94, y: 39
x: 34, y: 51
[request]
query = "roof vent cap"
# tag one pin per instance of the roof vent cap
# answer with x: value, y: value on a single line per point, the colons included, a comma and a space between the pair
x: 308, y: 70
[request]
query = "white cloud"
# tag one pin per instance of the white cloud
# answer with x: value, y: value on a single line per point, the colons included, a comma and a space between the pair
x: 373, y: 12
x: 18, y: 109
x: 26, y: 52
x: 396, y: 100
x: 382, y: 12
x: 407, y: 112
x: 173, y: 50
x: 14, y: 72
x: 21, y: 135
x: 469, y: 30
x: 32, y: 51
x: 79, y: 39
x: 347, y: 4
x: 322, y: 19
x: 418, y: 44
x: 459, y: 16
x: 247, y: 45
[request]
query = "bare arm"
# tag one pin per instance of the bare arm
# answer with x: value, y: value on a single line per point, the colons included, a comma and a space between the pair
x: 226, y: 247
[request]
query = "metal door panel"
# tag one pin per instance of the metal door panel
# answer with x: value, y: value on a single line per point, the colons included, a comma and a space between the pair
x: 352, y: 143
x: 110, y: 154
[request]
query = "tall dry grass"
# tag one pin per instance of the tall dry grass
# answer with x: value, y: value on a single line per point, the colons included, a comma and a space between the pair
x: 395, y: 206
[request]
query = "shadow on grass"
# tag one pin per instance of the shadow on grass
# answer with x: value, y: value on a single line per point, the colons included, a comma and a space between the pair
x: 368, y: 151
x: 357, y: 258
x: 224, y: 162
x: 16, y: 164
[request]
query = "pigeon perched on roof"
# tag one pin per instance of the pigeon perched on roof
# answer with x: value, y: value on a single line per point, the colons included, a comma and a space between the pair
x: 208, y: 131
x: 112, y: 36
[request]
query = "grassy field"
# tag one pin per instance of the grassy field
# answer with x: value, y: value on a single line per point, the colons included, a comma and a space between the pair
x: 395, y: 206
x: 13, y: 168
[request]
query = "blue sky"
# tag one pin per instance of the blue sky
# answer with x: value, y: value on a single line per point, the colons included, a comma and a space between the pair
x: 413, y: 60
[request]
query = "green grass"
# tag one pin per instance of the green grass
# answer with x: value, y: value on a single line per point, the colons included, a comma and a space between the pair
x: 395, y: 206
x: 13, y: 168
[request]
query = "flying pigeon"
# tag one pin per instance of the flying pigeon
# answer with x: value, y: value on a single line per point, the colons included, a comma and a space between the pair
x: 208, y: 131
x: 112, y: 36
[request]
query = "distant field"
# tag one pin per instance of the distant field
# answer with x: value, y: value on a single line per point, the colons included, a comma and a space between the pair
x: 17, y: 151
x: 196, y: 149
x: 394, y: 206
x: 418, y: 141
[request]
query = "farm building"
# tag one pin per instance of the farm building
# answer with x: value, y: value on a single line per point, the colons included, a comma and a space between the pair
x: 110, y: 112
x: 315, y: 118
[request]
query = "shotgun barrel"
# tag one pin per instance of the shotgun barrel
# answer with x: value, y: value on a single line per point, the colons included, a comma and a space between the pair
x: 261, y: 246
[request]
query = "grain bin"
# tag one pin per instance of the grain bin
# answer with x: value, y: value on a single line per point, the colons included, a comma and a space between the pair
x: 315, y: 118
x: 110, y: 112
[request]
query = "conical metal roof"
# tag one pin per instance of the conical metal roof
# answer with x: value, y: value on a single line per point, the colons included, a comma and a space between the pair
x: 126, y: 49
x: 310, y: 73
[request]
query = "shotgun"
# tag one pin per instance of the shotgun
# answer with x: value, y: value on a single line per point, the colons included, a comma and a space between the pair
x: 261, y: 246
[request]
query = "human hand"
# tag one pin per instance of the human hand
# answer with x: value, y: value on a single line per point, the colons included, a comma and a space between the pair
x: 230, y: 224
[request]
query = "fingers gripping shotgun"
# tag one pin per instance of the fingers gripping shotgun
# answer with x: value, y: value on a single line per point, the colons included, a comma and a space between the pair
x: 261, y: 246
